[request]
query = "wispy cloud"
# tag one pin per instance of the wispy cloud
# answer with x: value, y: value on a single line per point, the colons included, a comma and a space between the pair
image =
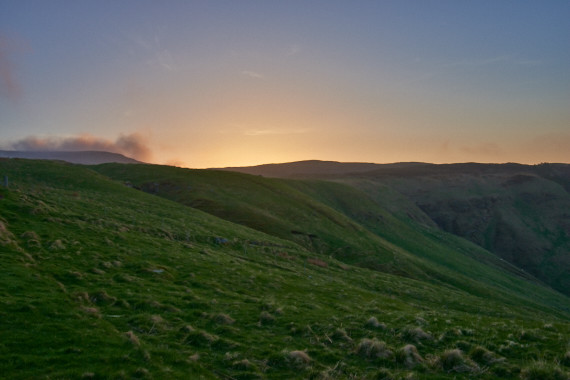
x: 478, y: 62
x: 505, y: 58
x: 157, y: 55
x: 276, y: 131
x: 252, y: 74
x: 133, y: 145
x: 490, y: 149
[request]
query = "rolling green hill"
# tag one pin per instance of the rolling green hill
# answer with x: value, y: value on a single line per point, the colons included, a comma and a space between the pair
x: 519, y: 212
x: 184, y: 280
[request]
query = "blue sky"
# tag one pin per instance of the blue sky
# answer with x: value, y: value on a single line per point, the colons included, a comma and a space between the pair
x: 223, y: 83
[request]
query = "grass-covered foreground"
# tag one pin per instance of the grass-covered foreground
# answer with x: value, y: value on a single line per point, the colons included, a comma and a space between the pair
x: 100, y: 280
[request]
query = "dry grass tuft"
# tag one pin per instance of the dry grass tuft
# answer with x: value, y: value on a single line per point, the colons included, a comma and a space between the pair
x: 6, y: 236
x: 205, y: 337
x: 373, y: 322
x: 91, y: 311
x: 373, y: 348
x: 102, y: 298
x: 266, y: 318
x: 156, y: 319
x: 454, y: 361
x: 409, y: 356
x: 299, y: 358
x: 243, y: 364
x: 223, y: 319
x: 342, y: 335
x: 541, y: 370
x: 133, y: 338
x: 32, y: 239
x: 142, y: 373
x: 57, y: 246
x: 415, y: 334
x: 482, y: 355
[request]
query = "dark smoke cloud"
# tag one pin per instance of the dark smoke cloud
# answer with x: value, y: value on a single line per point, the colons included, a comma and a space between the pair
x: 133, y: 145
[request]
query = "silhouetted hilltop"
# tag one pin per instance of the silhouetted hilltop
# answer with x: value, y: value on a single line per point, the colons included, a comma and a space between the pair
x: 310, y: 168
x: 77, y: 157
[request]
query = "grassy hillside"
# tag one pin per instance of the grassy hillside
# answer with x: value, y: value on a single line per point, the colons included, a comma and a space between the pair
x: 512, y: 211
x: 519, y: 212
x: 101, y: 280
x: 267, y: 205
x: 338, y: 221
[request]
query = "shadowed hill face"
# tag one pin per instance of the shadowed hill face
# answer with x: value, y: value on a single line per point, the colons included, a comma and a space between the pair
x: 313, y: 168
x: 75, y: 157
x: 519, y: 215
x: 519, y: 212
x: 101, y: 280
x: 324, y: 217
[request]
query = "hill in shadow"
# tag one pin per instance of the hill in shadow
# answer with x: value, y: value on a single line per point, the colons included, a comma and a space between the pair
x: 90, y: 157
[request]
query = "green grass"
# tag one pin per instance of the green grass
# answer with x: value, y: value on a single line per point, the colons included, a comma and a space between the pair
x: 105, y: 281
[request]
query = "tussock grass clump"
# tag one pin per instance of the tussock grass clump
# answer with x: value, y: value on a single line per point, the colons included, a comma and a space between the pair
x: 223, y: 319
x: 200, y: 338
x: 298, y: 358
x: 409, y: 356
x: 482, y: 355
x: 414, y: 334
x: 57, y: 245
x: 141, y: 373
x: 133, y: 338
x: 454, y: 361
x: 266, y: 318
x: 450, y: 334
x: 91, y: 311
x: 373, y: 322
x: 5, y: 235
x: 32, y: 239
x: 373, y: 349
x: 243, y: 364
x: 529, y: 336
x: 102, y: 298
x: 341, y: 334
x: 541, y: 370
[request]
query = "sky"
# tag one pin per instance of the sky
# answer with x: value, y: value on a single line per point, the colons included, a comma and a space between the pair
x: 233, y: 83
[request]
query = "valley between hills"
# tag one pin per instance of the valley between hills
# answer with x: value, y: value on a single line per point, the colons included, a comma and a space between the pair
x: 308, y: 270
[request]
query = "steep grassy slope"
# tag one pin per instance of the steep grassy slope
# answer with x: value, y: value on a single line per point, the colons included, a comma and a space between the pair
x: 267, y: 205
x: 509, y: 210
x: 519, y: 212
x: 341, y: 222
x: 100, y: 280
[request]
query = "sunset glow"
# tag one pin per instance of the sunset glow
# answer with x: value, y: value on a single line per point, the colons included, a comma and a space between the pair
x: 228, y: 83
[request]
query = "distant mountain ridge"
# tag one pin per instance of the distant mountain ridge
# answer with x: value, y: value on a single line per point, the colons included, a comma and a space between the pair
x: 318, y: 168
x: 314, y: 167
x: 88, y: 157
